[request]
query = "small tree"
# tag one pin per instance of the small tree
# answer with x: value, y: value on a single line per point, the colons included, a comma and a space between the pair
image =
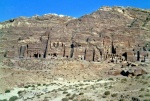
x: 107, y: 93
x: 13, y: 98
x: 7, y: 91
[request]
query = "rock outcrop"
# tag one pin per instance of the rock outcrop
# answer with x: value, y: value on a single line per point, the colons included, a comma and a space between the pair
x: 115, y: 34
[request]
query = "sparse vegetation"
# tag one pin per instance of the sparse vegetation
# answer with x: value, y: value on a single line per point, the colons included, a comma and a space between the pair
x: 72, y: 97
x: 107, y: 93
x: 142, y: 89
x: 123, y: 80
x: 65, y: 92
x: 7, y: 91
x: 111, y: 79
x: 13, y: 98
x: 147, y: 95
x: 68, y: 94
x: 65, y: 99
x: 114, y: 95
x: 4, y: 100
x: 81, y: 93
x: 71, y: 60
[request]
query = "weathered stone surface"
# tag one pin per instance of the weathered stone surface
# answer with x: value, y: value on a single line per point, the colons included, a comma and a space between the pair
x: 115, y: 34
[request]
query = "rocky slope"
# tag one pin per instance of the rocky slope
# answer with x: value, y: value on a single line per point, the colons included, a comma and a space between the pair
x: 126, y: 27
x: 55, y: 48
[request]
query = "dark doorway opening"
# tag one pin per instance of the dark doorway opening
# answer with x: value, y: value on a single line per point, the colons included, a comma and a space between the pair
x: 55, y: 55
x: 39, y: 55
x: 125, y: 55
x: 36, y: 55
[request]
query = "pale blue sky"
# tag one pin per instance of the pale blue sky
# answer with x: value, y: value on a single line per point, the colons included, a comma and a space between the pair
x: 76, y: 8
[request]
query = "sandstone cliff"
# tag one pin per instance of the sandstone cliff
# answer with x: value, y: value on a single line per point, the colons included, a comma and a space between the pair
x: 113, y: 33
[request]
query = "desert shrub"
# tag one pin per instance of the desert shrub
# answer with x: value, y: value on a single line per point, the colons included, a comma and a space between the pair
x: 33, y: 85
x: 26, y: 87
x: 147, y: 94
x: 68, y: 94
x: 111, y: 79
x: 105, y: 84
x: 99, y: 80
x: 137, y: 77
x: 141, y: 96
x: 104, y: 96
x: 145, y: 82
x: 81, y: 84
x: 146, y: 100
x: 39, y: 84
x: 44, y: 84
x: 13, y: 98
x: 123, y: 80
x: 143, y: 77
x: 114, y: 95
x: 54, y: 90
x: 107, y: 93
x: 59, y: 89
x: 19, y: 92
x: 7, y: 91
x: 65, y: 92
x: 72, y: 97
x: 135, y: 99
x: 121, y: 100
x: 110, y: 87
x: 4, y: 100
x: 64, y: 99
x: 142, y: 89
x: 81, y: 93
x: 83, y: 100
x: 93, y: 87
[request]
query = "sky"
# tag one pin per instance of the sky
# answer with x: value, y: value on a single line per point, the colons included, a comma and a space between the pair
x: 10, y: 9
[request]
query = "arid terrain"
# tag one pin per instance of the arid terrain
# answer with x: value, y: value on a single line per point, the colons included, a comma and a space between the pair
x: 102, y: 56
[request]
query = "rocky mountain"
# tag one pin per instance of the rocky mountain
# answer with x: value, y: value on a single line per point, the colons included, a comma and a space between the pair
x: 55, y: 57
x: 114, y: 33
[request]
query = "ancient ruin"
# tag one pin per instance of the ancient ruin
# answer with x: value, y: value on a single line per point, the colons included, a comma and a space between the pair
x: 107, y: 51
x: 85, y: 38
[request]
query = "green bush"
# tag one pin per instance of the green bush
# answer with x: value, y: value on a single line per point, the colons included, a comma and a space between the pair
x: 141, y: 96
x: 114, y: 95
x: 26, y: 87
x: 44, y: 84
x: 13, y: 98
x: 65, y: 92
x: 107, y: 93
x: 111, y: 79
x: 147, y: 95
x: 7, y: 91
x: 68, y: 94
x: 142, y: 89
x: 33, y: 86
x: 72, y: 97
x: 64, y: 99
x: 123, y: 80
x: 146, y: 100
x: 4, y: 100
x: 121, y: 100
x: 104, y: 96
x: 83, y: 100
x: 19, y: 92
x: 81, y: 93
x: 39, y: 84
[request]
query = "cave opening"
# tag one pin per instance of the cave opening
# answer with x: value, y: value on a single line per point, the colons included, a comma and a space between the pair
x: 125, y: 55
x: 36, y: 55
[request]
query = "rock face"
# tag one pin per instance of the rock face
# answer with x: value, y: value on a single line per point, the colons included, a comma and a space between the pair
x: 116, y: 34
